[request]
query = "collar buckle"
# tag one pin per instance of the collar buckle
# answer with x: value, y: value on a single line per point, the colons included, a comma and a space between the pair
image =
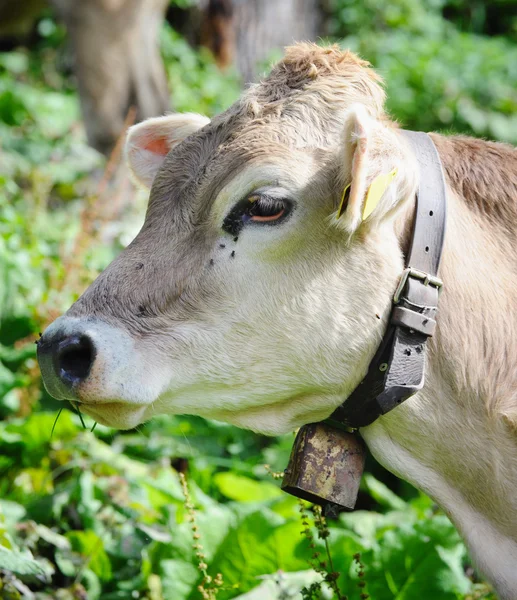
x: 425, y: 278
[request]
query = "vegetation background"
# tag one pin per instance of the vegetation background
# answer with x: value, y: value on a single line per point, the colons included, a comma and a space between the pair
x: 102, y: 514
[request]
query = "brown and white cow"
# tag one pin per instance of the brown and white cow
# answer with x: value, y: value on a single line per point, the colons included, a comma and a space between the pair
x: 243, y: 298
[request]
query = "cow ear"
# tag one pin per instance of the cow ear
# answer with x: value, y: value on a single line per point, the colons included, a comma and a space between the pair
x: 378, y: 172
x: 149, y: 142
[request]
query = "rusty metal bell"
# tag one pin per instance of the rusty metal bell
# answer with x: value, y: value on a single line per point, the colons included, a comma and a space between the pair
x: 325, y: 467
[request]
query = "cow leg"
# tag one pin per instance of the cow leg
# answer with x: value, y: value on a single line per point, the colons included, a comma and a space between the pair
x: 117, y: 62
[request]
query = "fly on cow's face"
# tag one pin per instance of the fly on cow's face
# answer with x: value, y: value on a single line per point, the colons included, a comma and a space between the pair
x: 258, y: 208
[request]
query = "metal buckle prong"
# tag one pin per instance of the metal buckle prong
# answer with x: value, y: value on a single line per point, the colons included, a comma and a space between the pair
x: 415, y: 274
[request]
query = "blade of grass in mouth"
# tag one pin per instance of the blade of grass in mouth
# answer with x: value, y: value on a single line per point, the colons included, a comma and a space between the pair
x: 55, y: 422
x: 76, y: 408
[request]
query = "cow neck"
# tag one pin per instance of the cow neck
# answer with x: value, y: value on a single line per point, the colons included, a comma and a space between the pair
x: 397, y: 370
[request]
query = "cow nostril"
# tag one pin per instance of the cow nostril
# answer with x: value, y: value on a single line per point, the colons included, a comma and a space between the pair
x: 75, y: 358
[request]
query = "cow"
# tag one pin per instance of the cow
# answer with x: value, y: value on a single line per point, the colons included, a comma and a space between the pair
x: 116, y: 83
x: 116, y: 52
x: 245, y: 299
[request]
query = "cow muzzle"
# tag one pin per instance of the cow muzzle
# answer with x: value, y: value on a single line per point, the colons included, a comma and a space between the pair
x: 89, y: 361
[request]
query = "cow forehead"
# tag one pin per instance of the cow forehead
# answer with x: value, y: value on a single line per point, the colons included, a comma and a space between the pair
x: 211, y: 161
x: 301, y: 104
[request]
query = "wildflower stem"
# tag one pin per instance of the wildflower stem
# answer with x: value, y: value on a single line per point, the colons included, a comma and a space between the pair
x: 209, y: 586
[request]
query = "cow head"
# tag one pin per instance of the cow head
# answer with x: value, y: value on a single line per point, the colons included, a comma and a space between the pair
x: 248, y: 296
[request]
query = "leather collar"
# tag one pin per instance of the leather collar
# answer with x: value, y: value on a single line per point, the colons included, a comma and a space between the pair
x: 397, y: 370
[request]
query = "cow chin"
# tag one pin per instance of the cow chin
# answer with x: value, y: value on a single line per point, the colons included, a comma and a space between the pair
x: 118, y: 415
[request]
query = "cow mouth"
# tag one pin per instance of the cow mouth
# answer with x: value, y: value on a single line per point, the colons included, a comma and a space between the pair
x: 98, y: 406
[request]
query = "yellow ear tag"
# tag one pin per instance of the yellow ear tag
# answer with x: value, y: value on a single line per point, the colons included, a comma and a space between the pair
x: 342, y: 204
x: 376, y: 191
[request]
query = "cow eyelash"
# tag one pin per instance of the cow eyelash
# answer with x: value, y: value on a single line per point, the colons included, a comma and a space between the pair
x: 259, y: 209
x: 265, y: 209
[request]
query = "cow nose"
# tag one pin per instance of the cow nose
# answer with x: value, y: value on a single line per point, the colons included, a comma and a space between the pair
x: 65, y: 361
x: 74, y: 358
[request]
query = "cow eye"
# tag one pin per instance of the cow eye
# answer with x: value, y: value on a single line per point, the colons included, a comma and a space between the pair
x: 257, y: 208
x: 264, y: 209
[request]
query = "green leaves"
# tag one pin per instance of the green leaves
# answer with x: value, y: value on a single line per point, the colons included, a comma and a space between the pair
x: 244, y: 489
x: 262, y: 543
x: 410, y: 560
x: 382, y: 494
x: 405, y: 555
x: 437, y: 76
x: 91, y: 549
x: 460, y: 81
x: 112, y: 523
x: 21, y: 564
x: 196, y: 82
